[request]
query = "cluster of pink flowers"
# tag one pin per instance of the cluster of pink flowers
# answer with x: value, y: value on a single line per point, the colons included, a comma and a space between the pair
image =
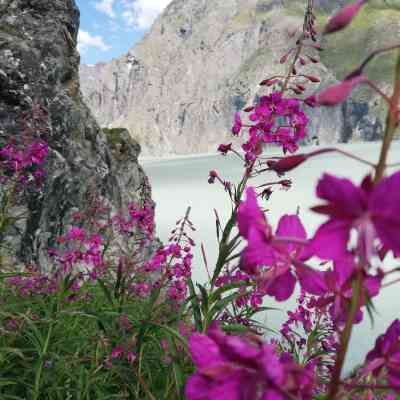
x: 274, y: 119
x: 234, y: 367
x: 140, y: 220
x: 82, y: 258
x: 35, y: 283
x: 86, y: 252
x: 24, y: 163
x: 171, y: 263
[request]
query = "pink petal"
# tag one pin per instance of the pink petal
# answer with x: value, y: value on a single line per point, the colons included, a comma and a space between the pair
x: 342, y: 271
x: 197, y: 388
x: 237, y: 348
x: 228, y: 389
x: 282, y: 287
x: 257, y: 252
x: 272, y: 368
x: 250, y: 214
x: 197, y: 343
x: 348, y: 199
x: 292, y: 227
x: 373, y: 285
x: 384, y: 204
x: 312, y: 281
x: 272, y: 394
x: 330, y: 240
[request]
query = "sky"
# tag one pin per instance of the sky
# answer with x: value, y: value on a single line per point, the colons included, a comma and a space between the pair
x: 110, y: 28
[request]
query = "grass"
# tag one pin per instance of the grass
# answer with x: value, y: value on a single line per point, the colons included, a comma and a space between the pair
x: 59, y: 350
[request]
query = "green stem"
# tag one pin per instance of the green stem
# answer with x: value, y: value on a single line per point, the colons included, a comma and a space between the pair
x: 345, y: 338
x: 391, y: 125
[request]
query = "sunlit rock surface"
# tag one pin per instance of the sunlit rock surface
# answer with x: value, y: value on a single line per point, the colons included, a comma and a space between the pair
x: 39, y: 63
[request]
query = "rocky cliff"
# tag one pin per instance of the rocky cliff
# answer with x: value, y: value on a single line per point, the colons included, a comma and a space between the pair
x: 178, y: 88
x: 39, y: 65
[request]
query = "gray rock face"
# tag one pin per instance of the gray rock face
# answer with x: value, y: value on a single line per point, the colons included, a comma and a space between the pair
x: 177, y: 90
x: 39, y: 64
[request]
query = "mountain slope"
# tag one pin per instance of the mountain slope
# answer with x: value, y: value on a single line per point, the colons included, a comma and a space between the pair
x: 177, y: 90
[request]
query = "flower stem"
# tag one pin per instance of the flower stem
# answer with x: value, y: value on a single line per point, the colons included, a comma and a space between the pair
x: 345, y: 338
x: 391, y: 124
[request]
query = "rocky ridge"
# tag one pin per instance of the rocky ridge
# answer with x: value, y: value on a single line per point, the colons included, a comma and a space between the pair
x: 177, y: 89
x: 39, y: 65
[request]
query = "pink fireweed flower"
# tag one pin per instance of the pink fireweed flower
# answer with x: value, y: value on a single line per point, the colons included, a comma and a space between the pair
x: 271, y: 257
x: 76, y: 233
x: 131, y: 357
x: 373, y: 211
x: 36, y: 153
x: 233, y: 367
x: 386, y: 354
x: 117, y: 352
x: 334, y: 288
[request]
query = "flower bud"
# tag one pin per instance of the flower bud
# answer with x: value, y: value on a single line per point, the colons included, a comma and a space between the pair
x: 300, y: 87
x: 283, y: 58
x: 224, y: 148
x: 212, y: 175
x: 249, y: 109
x: 344, y: 17
x: 336, y: 94
x: 286, y: 164
x: 312, y: 78
x: 268, y: 82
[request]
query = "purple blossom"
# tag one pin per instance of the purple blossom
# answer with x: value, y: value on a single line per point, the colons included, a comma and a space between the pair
x: 373, y: 211
x: 233, y: 367
x: 275, y: 120
x: 117, y: 352
x: 334, y: 288
x: 271, y: 257
x: 386, y: 354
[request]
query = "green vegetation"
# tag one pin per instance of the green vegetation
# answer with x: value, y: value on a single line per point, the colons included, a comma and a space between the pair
x: 114, y: 135
x: 52, y: 348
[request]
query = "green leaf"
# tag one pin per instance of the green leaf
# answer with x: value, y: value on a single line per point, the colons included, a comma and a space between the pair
x: 204, y: 298
x: 195, y: 306
x: 106, y: 291
x: 217, y: 294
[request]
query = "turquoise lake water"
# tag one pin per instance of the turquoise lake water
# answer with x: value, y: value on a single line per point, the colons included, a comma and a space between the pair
x: 181, y: 182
